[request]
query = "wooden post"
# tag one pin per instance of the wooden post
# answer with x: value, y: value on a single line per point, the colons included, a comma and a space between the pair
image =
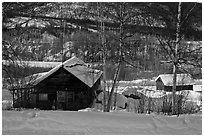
x: 18, y: 99
x: 21, y: 98
x: 37, y: 100
x: 13, y: 97
x: 149, y: 105
x: 65, y: 103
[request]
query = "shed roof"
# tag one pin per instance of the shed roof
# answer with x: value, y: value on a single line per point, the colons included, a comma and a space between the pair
x: 75, y: 66
x: 181, y: 79
x: 197, y: 88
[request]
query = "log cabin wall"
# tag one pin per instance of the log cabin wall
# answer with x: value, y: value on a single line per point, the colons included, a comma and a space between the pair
x: 179, y: 88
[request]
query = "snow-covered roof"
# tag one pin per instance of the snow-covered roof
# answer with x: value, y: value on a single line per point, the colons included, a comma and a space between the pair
x: 79, y: 69
x: 76, y: 67
x: 197, y: 88
x: 181, y: 79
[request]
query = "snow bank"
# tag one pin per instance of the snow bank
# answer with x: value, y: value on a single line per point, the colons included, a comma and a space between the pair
x: 89, y: 110
x: 97, y: 123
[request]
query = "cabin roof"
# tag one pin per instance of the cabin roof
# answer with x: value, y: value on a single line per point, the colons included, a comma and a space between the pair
x: 182, y: 79
x: 74, y: 66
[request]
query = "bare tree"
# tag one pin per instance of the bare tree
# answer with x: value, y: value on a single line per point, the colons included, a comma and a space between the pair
x: 175, y: 61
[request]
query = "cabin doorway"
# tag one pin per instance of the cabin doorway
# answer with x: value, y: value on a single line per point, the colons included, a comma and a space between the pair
x: 61, y: 100
x: 65, y: 100
x: 52, y: 99
x: 70, y: 101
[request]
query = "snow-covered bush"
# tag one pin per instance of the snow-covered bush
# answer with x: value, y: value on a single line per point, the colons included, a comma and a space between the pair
x: 156, y: 105
x: 189, y: 107
x: 7, y: 105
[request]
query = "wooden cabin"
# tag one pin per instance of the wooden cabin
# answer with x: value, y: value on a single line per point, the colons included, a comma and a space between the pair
x: 165, y: 82
x: 71, y: 85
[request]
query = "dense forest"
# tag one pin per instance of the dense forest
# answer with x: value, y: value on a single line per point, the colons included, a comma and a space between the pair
x: 140, y: 36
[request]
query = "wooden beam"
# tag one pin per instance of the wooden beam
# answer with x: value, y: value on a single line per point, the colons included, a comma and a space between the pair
x: 21, y: 98
x: 13, y: 91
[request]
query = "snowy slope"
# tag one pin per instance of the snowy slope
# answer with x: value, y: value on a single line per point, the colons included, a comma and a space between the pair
x: 42, y: 64
x: 98, y: 123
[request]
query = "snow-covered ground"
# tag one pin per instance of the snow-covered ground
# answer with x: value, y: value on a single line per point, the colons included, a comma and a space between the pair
x: 34, y: 122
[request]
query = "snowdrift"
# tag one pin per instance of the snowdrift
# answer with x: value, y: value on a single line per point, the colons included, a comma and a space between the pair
x: 35, y: 122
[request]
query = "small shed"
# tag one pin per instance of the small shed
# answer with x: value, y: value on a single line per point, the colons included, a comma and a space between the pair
x: 183, y: 82
x: 72, y: 85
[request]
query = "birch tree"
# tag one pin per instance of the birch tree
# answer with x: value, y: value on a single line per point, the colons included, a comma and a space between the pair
x: 175, y: 61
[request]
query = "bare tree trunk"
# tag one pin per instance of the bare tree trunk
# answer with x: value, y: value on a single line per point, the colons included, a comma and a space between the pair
x: 104, y: 68
x: 174, y: 89
x: 175, y: 63
x: 113, y: 87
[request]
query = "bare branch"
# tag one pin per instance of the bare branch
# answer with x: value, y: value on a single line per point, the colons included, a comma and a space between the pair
x: 132, y: 64
x: 188, y: 14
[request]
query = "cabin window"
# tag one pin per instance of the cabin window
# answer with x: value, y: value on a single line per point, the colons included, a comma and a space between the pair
x: 70, y: 97
x: 43, y: 97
